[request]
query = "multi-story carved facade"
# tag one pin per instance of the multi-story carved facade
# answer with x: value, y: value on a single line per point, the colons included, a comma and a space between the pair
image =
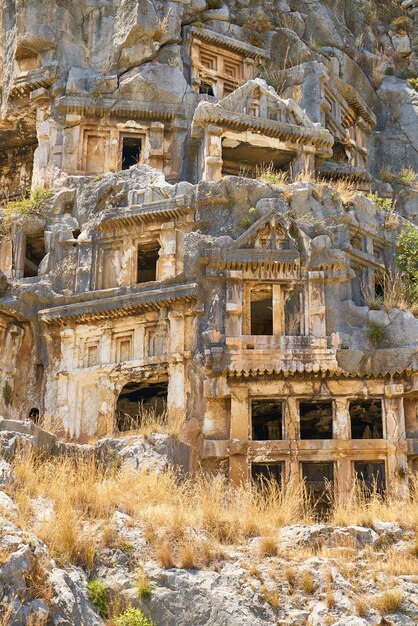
x: 234, y: 306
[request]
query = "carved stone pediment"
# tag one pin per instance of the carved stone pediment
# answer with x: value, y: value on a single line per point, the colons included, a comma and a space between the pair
x: 270, y: 232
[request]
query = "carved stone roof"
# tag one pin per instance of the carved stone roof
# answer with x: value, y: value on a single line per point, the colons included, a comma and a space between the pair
x: 223, y: 41
x: 230, y: 112
x: 119, y: 107
x: 161, y: 209
x: 118, y: 305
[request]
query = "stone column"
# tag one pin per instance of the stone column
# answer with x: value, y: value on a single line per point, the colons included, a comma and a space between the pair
x: 47, y: 158
x: 396, y: 437
x: 316, y: 304
x: 234, y: 304
x: 156, y: 140
x: 278, y: 310
x: 342, y: 431
x: 176, y: 332
x: 19, y: 253
x: 166, y: 265
x: 304, y: 162
x: 176, y: 396
x: 212, y: 169
x: 292, y: 434
x: 6, y: 258
x: 240, y: 427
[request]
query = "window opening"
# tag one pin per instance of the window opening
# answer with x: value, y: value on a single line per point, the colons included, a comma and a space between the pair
x: 371, y: 476
x: 366, y: 419
x: 262, y: 312
x: 131, y: 151
x: 147, y: 265
x: 141, y: 403
x: 315, y: 420
x: 267, y: 420
x: 261, y: 472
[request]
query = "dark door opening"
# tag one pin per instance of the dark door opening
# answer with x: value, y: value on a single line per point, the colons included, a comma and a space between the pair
x: 261, y: 472
x: 366, y: 419
x: 35, y: 252
x: 319, y: 481
x: 147, y: 265
x: 262, y: 312
x: 34, y: 415
x: 371, y: 476
x: 316, y: 420
x: 267, y: 420
x: 206, y: 88
x: 131, y: 151
x: 141, y: 404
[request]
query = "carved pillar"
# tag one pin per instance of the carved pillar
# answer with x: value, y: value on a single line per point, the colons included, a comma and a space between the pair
x: 19, y: 253
x: 304, y: 162
x: 234, y: 304
x: 278, y: 311
x: 156, y: 140
x: 48, y: 155
x: 317, y: 326
x: 6, y: 257
x: 166, y: 266
x: 240, y: 426
x: 396, y: 438
x: 292, y: 434
x: 342, y: 431
x: 212, y: 169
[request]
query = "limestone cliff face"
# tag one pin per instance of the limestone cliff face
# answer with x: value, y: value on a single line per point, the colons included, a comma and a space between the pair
x: 218, y: 192
x: 208, y: 214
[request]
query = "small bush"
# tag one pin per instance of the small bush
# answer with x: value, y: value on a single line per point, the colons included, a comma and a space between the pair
x: 7, y: 394
x: 98, y: 595
x: 214, y: 4
x: 133, y: 617
x: 30, y: 206
x: 143, y: 586
x: 256, y: 27
x: 268, y: 546
x: 376, y: 333
x: 413, y: 82
x: 402, y: 24
x: 389, y: 602
x: 384, y: 204
x: 307, y: 582
x: 271, y: 596
x: 407, y: 259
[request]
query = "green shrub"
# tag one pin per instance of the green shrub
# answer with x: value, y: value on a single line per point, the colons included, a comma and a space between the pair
x: 133, y: 617
x: 407, y: 259
x: 30, y: 206
x: 98, y: 595
x: 376, y: 333
x: 413, y: 82
x: 402, y: 24
x: 7, y: 394
x: 143, y: 587
x: 256, y: 27
x: 214, y: 4
x: 384, y: 204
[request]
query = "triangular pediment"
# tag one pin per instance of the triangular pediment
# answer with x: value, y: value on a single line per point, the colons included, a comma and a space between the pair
x: 269, y: 232
x: 257, y: 99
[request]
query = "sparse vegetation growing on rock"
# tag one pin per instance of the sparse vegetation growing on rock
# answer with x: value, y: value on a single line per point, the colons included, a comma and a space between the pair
x: 133, y: 617
x: 98, y: 595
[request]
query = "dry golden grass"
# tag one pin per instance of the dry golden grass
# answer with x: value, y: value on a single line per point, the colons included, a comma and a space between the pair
x: 268, y: 546
x: 271, y: 596
x: 361, y: 606
x: 307, y: 582
x: 363, y: 508
x: 171, y: 512
x: 389, y: 601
